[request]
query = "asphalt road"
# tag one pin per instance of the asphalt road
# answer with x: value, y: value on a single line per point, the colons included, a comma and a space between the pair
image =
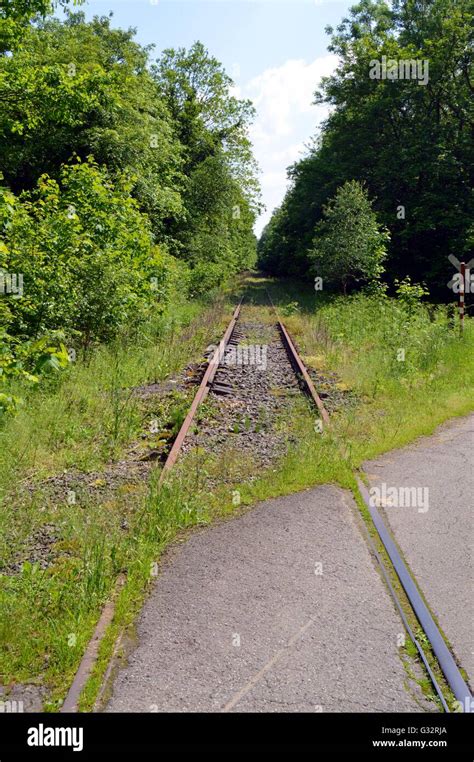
x: 279, y: 609
x: 437, y: 543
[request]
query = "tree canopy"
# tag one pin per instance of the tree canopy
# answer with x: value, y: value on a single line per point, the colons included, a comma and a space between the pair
x: 409, y: 142
x: 121, y: 176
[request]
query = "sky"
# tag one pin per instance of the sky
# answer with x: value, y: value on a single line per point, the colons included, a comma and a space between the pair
x: 274, y: 50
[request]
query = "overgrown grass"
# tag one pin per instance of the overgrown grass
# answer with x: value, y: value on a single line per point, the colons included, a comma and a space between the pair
x: 84, y: 421
x: 391, y: 409
x: 407, y: 364
x: 90, y: 418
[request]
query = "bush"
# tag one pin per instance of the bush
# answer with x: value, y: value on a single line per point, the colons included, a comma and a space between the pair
x: 204, y: 277
x: 390, y: 341
x: 86, y: 254
x: 348, y: 243
x: 26, y: 362
x: 410, y: 294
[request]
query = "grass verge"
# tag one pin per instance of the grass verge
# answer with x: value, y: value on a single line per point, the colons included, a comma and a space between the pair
x: 91, y: 418
x: 71, y: 552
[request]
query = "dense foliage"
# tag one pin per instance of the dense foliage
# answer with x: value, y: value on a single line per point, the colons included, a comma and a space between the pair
x: 408, y: 139
x: 122, y: 178
x: 86, y: 253
x: 348, y: 245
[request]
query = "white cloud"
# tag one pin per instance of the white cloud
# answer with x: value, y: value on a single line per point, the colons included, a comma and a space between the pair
x: 286, y: 120
x: 281, y: 93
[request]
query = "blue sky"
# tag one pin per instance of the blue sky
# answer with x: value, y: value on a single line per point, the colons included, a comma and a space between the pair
x: 275, y: 50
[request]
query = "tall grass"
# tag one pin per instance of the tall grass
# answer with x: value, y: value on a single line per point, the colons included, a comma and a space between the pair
x: 83, y: 420
x: 408, y: 365
x: 381, y: 340
x: 90, y: 417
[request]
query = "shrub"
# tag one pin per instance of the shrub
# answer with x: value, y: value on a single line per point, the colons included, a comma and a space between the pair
x: 204, y: 277
x: 25, y: 362
x: 410, y: 294
x: 86, y: 253
x: 349, y: 244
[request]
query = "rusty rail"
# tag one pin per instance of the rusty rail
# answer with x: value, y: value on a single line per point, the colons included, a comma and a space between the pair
x: 445, y: 659
x: 297, y: 361
x: 201, y: 394
x: 211, y: 371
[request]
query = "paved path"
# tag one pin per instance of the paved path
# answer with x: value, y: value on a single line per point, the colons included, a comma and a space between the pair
x: 438, y: 543
x: 239, y: 621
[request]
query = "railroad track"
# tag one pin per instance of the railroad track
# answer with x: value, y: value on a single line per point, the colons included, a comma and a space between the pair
x: 213, y: 382
x: 216, y: 380
x: 216, y: 377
